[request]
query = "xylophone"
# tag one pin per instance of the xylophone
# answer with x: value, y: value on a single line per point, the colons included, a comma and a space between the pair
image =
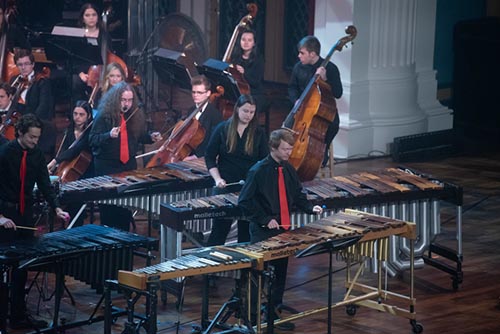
x: 346, y: 229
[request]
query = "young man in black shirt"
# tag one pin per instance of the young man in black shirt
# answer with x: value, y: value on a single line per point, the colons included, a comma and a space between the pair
x: 22, y: 164
x: 260, y: 201
x: 308, y: 65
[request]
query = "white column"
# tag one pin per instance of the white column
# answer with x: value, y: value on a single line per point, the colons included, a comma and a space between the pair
x: 389, y: 85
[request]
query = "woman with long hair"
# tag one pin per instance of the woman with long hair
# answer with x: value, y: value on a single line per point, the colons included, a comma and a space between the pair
x: 235, y: 145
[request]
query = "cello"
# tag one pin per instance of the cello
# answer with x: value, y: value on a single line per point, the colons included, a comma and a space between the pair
x: 311, y: 117
x: 185, y: 137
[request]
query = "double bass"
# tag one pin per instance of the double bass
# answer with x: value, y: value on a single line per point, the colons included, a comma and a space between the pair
x: 183, y: 139
x: 224, y: 105
x: 311, y: 117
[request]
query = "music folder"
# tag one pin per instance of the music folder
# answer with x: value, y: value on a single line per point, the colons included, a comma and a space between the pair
x: 216, y: 71
x: 67, y: 43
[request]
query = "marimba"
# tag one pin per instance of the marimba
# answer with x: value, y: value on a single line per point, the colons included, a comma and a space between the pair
x: 399, y: 193
x: 354, y: 231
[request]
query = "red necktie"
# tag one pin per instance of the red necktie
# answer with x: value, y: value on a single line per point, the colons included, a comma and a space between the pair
x: 123, y: 141
x: 284, y: 214
x: 22, y: 176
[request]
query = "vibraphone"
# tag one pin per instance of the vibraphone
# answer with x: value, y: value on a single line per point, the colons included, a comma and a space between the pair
x: 399, y: 193
x: 89, y: 253
x: 354, y: 232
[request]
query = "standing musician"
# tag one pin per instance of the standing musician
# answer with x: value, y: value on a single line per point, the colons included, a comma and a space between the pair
x: 309, y: 64
x: 35, y: 96
x: 251, y: 65
x: 208, y: 115
x: 260, y: 201
x: 114, y: 138
x: 22, y: 164
x: 235, y: 146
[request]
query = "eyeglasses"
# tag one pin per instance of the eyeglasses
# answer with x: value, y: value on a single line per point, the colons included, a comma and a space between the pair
x: 23, y: 64
x: 198, y: 92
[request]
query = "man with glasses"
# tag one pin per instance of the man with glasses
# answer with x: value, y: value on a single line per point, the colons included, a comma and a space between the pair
x: 207, y: 114
x: 35, y: 96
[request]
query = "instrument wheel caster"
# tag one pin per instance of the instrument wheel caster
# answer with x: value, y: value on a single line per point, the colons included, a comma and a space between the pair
x: 416, y: 327
x: 351, y: 309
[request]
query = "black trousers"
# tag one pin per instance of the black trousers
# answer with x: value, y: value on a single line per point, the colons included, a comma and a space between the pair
x: 18, y: 277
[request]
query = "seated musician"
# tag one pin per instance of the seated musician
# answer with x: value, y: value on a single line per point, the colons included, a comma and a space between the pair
x: 22, y: 164
x: 114, y: 138
x: 250, y: 63
x: 113, y: 74
x: 235, y: 146
x: 35, y: 97
x: 208, y: 115
x: 89, y: 18
x: 260, y: 201
x: 309, y: 64
x: 5, y: 105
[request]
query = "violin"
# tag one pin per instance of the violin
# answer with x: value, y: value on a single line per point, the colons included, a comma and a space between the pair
x: 311, y: 117
x: 184, y: 138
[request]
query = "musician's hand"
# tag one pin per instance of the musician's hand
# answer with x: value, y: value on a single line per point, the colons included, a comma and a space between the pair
x: 273, y: 224
x: 321, y: 71
x: 240, y: 69
x: 317, y: 209
x: 190, y: 157
x: 83, y: 76
x: 156, y: 137
x: 7, y: 223
x: 63, y: 215
x: 114, y: 132
x: 52, y: 166
x: 220, y: 183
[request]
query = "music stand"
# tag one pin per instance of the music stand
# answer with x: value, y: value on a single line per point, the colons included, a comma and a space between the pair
x: 64, y: 44
x: 216, y: 71
x: 171, y: 67
x: 329, y: 246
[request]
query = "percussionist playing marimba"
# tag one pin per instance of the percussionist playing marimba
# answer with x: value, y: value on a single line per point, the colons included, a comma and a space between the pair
x: 22, y: 164
x: 271, y: 188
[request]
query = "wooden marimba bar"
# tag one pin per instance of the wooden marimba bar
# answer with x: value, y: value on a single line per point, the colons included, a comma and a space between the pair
x: 345, y: 229
x: 399, y: 193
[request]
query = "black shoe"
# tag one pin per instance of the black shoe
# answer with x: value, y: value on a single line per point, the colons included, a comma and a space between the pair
x: 28, y: 322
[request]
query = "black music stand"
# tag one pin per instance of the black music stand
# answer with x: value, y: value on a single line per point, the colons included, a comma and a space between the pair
x: 66, y: 43
x: 329, y: 246
x: 216, y: 71
x: 171, y: 67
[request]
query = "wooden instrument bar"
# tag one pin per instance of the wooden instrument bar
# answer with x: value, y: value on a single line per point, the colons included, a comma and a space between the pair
x: 202, y: 261
x: 178, y: 176
x: 343, y: 228
x: 354, y: 190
